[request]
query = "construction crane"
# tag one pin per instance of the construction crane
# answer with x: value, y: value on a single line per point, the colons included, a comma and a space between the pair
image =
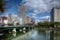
x: 1, y: 6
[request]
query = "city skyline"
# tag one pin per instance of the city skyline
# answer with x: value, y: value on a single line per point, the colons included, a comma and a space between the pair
x: 34, y: 9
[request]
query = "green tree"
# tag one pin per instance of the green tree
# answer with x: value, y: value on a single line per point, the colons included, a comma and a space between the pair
x: 43, y: 24
x: 56, y: 24
x: 10, y: 24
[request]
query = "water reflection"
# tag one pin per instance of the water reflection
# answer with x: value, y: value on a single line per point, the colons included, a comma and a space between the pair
x: 14, y: 32
x: 36, y: 34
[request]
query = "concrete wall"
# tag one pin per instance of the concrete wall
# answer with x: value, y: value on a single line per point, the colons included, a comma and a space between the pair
x: 57, y: 14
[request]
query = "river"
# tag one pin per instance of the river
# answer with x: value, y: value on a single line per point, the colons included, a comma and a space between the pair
x: 35, y: 34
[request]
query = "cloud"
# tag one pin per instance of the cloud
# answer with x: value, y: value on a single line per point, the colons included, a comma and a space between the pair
x: 45, y: 17
x: 15, y: 15
x: 35, y: 17
x: 41, y: 6
x: 36, y: 5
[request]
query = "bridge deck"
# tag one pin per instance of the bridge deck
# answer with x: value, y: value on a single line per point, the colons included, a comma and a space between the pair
x: 17, y: 27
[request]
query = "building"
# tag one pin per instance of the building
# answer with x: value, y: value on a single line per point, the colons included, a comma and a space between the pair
x: 28, y: 20
x: 55, y: 14
x: 10, y: 17
x: 32, y: 21
x: 0, y: 19
x: 16, y: 20
x: 4, y: 19
x: 21, y: 14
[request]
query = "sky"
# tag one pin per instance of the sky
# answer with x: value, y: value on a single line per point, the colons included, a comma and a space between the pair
x: 37, y: 9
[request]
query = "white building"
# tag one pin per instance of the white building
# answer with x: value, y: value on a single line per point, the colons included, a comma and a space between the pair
x: 57, y: 14
x: 10, y: 17
x: 28, y: 20
x: 16, y: 20
x: 21, y: 14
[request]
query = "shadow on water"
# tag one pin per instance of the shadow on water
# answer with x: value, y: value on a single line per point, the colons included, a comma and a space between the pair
x: 50, y: 34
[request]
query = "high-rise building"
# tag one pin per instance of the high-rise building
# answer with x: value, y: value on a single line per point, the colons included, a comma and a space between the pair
x: 10, y: 17
x: 28, y: 20
x: 55, y: 14
x: 21, y: 14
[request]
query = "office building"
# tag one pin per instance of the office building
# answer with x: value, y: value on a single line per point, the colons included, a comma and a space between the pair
x: 55, y: 14
x: 4, y: 19
x: 21, y: 14
x: 28, y: 20
x: 10, y: 17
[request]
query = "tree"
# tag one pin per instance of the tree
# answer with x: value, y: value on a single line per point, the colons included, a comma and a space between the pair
x: 43, y: 24
x: 1, y: 6
x: 10, y: 24
x: 51, y: 24
x: 56, y: 24
x: 17, y: 23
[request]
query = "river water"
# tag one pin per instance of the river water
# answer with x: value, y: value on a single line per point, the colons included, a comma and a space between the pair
x: 36, y: 34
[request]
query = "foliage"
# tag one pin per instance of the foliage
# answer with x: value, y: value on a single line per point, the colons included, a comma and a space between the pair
x: 10, y: 24
x: 17, y: 23
x: 43, y: 24
x: 57, y: 24
x: 48, y: 24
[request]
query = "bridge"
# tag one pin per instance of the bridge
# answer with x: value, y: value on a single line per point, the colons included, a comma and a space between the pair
x: 10, y: 28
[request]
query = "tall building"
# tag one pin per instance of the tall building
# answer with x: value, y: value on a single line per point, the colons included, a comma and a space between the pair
x: 21, y: 14
x: 10, y: 17
x: 4, y: 19
x: 55, y: 14
x: 28, y: 20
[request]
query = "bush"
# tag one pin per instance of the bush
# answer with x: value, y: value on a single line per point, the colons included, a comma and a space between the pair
x: 10, y: 24
x: 17, y: 23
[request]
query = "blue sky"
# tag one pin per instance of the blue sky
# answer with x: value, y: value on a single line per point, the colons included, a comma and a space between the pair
x: 34, y: 9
